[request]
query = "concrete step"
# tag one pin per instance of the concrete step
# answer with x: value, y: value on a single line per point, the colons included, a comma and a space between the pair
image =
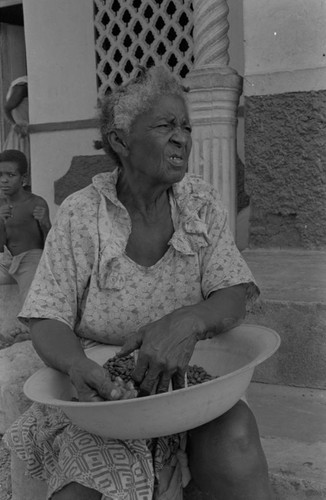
x: 292, y: 302
x: 292, y: 426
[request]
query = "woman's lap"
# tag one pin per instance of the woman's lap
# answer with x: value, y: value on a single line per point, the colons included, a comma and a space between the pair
x: 60, y: 453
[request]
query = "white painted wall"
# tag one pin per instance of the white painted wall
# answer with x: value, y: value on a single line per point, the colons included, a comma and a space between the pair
x: 52, y: 153
x: 62, y: 85
x: 60, y: 59
x: 285, y: 46
x: 236, y: 35
x: 236, y: 53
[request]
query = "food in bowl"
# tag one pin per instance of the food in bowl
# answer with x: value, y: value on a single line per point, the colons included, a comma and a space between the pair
x: 122, y: 368
x: 119, y: 370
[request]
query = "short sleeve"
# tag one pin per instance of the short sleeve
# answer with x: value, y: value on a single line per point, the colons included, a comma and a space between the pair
x: 59, y: 281
x: 222, y: 265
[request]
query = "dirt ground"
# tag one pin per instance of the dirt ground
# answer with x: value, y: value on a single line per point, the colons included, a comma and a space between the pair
x: 5, y: 481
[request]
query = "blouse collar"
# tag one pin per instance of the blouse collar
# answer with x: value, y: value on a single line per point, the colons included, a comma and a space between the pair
x: 191, y: 232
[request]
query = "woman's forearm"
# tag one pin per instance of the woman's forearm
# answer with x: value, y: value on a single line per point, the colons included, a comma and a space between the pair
x: 224, y: 309
x: 56, y: 344
x: 60, y: 348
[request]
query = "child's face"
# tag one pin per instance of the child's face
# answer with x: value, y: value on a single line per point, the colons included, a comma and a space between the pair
x: 11, y: 180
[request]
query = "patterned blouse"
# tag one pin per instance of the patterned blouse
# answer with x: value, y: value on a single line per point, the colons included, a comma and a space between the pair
x: 86, y: 280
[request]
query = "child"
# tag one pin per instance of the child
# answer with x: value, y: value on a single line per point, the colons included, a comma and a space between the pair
x: 24, y: 223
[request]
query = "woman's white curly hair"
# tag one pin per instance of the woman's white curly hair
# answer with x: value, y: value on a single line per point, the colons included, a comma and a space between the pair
x: 120, y: 107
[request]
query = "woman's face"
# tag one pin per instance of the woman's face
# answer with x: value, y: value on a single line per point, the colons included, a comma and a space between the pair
x: 159, y: 142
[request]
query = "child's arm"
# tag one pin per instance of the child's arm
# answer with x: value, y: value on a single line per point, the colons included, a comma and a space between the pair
x: 3, y: 235
x: 42, y: 215
x: 5, y: 213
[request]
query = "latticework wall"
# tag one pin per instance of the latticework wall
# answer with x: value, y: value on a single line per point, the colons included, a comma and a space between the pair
x: 129, y: 33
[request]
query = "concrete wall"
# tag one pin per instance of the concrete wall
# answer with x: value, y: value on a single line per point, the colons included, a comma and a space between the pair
x: 236, y: 53
x: 285, y: 122
x: 60, y: 59
x: 285, y: 46
x: 62, y: 85
x: 286, y: 169
x: 52, y: 153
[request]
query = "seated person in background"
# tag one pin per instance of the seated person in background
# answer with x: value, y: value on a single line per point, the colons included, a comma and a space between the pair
x: 24, y: 223
x: 142, y: 258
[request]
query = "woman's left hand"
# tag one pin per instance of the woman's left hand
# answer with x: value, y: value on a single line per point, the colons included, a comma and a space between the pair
x: 165, y: 348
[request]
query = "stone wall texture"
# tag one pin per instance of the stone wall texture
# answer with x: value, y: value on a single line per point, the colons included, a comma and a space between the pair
x: 301, y: 358
x: 285, y: 158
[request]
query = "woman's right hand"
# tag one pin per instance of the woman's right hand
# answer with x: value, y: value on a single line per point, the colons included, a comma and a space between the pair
x: 92, y: 381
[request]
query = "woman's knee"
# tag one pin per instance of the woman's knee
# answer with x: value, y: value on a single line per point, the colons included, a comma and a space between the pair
x: 230, y: 441
x: 76, y: 491
x: 238, y: 428
x: 226, y: 459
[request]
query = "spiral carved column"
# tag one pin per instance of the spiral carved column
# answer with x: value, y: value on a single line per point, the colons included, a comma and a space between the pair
x: 210, y: 33
x: 215, y: 89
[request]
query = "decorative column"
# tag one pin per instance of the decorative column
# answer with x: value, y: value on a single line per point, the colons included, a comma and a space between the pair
x: 215, y: 89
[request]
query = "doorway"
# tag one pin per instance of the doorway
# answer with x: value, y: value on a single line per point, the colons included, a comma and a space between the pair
x: 12, y: 55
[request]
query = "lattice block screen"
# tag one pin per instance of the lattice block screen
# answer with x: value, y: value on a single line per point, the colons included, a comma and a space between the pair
x: 146, y: 32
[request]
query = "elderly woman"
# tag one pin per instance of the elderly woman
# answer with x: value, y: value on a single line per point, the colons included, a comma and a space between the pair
x: 142, y: 258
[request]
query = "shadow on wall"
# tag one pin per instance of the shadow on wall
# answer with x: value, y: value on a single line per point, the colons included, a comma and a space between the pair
x: 80, y: 174
x: 243, y: 208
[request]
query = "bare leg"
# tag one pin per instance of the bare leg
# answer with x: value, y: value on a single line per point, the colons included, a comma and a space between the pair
x: 75, y: 491
x: 226, y: 458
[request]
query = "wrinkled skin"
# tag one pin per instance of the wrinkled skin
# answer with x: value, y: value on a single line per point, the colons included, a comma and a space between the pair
x: 166, y: 347
x: 91, y: 381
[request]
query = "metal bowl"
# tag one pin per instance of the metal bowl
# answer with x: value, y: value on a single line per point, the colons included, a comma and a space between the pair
x: 231, y: 356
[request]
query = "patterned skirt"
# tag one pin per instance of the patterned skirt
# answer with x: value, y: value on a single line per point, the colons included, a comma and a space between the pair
x: 57, y: 451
